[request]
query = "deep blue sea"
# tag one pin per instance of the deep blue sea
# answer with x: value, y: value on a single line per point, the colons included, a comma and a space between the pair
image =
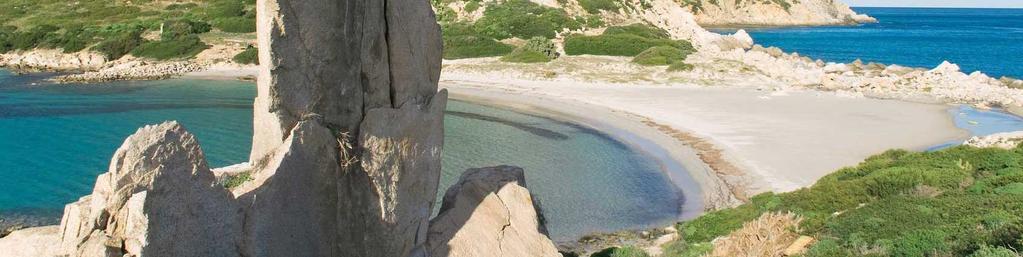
x: 55, y: 139
x: 988, y: 40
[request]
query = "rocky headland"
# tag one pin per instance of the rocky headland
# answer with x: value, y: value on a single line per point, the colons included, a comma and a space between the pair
x: 738, y: 13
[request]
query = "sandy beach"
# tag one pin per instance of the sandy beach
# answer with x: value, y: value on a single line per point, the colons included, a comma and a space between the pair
x: 724, y: 143
x: 781, y: 140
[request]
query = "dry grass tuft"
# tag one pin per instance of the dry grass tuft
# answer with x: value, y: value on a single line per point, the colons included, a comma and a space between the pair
x: 768, y: 235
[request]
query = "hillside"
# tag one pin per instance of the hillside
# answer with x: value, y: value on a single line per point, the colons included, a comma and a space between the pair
x: 155, y: 30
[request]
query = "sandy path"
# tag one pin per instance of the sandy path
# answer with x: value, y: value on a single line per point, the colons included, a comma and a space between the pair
x: 787, y: 140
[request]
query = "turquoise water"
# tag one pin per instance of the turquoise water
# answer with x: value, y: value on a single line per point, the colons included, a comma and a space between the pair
x: 988, y: 40
x: 55, y: 139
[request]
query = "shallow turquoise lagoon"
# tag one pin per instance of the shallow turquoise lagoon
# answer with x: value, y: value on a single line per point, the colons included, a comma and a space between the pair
x: 55, y: 139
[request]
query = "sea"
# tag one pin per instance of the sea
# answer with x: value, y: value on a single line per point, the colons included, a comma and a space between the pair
x: 986, y: 40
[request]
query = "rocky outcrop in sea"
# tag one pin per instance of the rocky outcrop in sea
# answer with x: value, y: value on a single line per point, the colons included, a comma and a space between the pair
x: 345, y: 161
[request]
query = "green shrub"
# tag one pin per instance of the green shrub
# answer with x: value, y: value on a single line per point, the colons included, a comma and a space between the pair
x: 543, y: 46
x: 920, y: 243
x: 1010, y: 189
x: 522, y: 55
x: 660, y: 55
x: 119, y: 45
x: 680, y: 66
x: 472, y: 6
x: 178, y: 28
x: 180, y: 48
x: 225, y: 9
x: 627, y: 251
x: 458, y: 47
x: 681, y: 249
x: 639, y: 29
x: 27, y: 40
x: 236, y: 24
x: 236, y: 180
x: 249, y: 56
x: 522, y: 19
x: 827, y: 248
x: 628, y: 40
x: 988, y: 251
x: 595, y: 6
x: 72, y: 40
x: 886, y: 205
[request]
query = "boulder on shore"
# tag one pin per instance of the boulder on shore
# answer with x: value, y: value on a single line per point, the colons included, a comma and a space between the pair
x: 158, y: 198
x: 489, y: 212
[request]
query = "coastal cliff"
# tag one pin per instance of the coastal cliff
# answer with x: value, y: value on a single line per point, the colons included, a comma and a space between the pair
x: 739, y: 13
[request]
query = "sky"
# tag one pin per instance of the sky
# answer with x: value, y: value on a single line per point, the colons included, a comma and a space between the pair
x: 939, y: 3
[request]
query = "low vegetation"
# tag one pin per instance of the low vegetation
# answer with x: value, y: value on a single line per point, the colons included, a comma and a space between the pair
x: 661, y: 55
x: 595, y: 6
x: 535, y: 50
x: 462, y: 41
x: 627, y: 251
x: 249, y: 56
x: 961, y: 201
x: 629, y: 40
x: 116, y: 28
x: 523, y: 19
x: 232, y: 181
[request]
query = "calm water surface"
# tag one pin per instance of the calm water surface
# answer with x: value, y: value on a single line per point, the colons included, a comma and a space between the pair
x: 988, y: 40
x: 55, y: 139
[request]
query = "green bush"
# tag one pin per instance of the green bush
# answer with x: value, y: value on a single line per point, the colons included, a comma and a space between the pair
x: 639, y: 29
x: 71, y: 40
x: 180, y: 48
x: 988, y: 251
x: 543, y: 46
x: 225, y: 9
x: 660, y: 55
x: 827, y: 248
x: 249, y: 56
x: 1010, y: 189
x: 680, y: 66
x: 472, y: 6
x: 896, y: 203
x: 27, y: 40
x: 616, y: 44
x: 119, y: 45
x: 522, y: 19
x: 236, y: 180
x: 178, y: 28
x: 920, y: 243
x: 627, y: 251
x: 628, y: 40
x: 595, y: 6
x: 236, y: 25
x: 522, y: 55
x: 468, y: 46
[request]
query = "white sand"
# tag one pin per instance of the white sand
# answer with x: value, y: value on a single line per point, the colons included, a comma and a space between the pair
x: 786, y: 140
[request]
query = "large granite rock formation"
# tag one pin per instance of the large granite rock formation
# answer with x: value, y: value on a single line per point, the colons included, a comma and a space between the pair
x: 159, y: 198
x: 489, y: 212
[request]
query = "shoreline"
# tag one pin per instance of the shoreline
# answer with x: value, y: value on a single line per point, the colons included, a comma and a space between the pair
x: 680, y: 162
x: 613, y: 125
x: 746, y: 137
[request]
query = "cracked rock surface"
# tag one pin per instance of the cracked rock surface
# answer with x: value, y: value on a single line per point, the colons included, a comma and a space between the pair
x: 489, y: 212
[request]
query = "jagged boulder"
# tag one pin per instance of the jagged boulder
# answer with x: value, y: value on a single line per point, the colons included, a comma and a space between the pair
x: 159, y: 198
x: 489, y: 212
x: 292, y: 212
